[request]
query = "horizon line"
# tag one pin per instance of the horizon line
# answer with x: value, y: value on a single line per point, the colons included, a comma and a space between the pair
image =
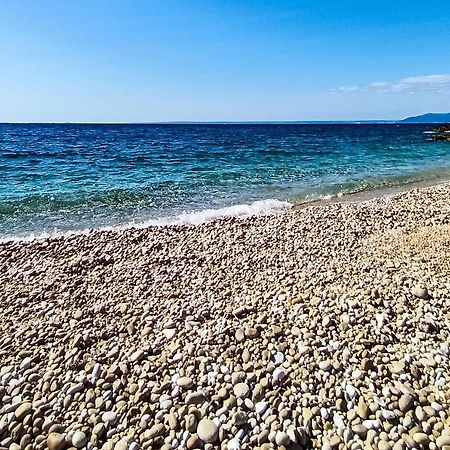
x: 214, y: 122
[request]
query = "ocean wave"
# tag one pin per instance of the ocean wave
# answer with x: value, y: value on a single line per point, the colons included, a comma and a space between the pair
x: 257, y: 208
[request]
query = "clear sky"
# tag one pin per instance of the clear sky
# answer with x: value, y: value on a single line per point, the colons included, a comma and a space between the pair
x: 152, y: 60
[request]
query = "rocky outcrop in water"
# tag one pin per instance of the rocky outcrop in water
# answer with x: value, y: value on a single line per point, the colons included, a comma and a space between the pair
x: 441, y: 133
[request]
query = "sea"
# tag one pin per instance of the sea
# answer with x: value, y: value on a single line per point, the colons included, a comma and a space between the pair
x: 64, y: 178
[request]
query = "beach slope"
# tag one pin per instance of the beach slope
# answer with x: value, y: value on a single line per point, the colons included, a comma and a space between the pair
x: 325, y: 327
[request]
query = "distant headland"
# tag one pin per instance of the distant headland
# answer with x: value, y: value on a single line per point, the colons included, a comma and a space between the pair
x: 429, y: 118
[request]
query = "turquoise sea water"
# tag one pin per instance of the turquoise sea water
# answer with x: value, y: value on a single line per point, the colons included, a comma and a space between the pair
x: 58, y: 178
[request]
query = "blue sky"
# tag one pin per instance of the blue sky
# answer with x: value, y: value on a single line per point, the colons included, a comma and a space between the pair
x: 143, y: 61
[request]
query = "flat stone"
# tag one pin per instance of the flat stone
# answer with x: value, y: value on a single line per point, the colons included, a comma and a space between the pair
x: 195, y: 398
x: 22, y: 411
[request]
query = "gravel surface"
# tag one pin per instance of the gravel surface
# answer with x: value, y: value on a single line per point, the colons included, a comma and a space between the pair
x: 326, y: 327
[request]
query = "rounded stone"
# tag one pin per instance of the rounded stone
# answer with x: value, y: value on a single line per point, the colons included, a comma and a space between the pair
x: 55, y: 441
x: 79, y: 439
x: 383, y: 445
x: 207, y: 431
x: 421, y: 438
x: 121, y: 445
x: 241, y: 390
x: 185, y: 382
x: 443, y: 440
x: 326, y: 365
x: 420, y: 292
x: 282, y: 438
x: 335, y: 441
x: 360, y: 430
x: 109, y: 417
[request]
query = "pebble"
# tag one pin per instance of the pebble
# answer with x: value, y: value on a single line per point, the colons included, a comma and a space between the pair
x: 109, y: 417
x: 241, y: 390
x: 406, y: 403
x: 195, y: 398
x: 326, y: 365
x: 420, y: 292
x: 55, y: 441
x: 79, y: 439
x: 23, y: 410
x: 421, y: 438
x: 443, y: 440
x: 185, y: 382
x: 207, y: 431
x: 282, y: 438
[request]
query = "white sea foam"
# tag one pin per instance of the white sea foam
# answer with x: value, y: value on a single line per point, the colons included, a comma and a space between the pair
x: 257, y: 208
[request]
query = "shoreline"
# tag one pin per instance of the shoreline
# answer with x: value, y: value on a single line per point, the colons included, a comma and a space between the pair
x: 325, y: 327
x: 352, y: 197
x: 375, y: 193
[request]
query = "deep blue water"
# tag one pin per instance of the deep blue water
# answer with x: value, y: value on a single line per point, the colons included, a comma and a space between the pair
x: 68, y: 177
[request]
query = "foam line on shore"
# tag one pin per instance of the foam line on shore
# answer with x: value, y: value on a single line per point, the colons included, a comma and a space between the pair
x: 257, y: 208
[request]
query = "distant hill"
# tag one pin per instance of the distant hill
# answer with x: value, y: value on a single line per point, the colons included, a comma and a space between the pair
x: 429, y: 118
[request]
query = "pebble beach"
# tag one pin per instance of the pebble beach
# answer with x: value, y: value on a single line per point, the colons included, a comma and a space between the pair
x: 327, y: 327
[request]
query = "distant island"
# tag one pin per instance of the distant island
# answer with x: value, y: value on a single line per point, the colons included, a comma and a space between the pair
x: 429, y: 118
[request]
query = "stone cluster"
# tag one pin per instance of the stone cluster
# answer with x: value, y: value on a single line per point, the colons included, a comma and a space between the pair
x: 327, y: 327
